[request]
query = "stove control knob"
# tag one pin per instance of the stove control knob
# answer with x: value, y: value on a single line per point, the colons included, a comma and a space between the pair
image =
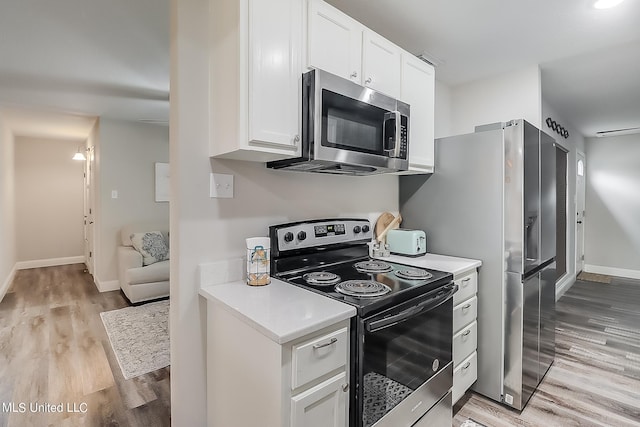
x: 288, y: 237
x: 365, y: 228
x: 356, y: 229
x: 302, y: 235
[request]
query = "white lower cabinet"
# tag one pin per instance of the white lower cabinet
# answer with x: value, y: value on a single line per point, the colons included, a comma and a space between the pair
x: 323, y: 405
x: 255, y: 381
x: 465, y: 333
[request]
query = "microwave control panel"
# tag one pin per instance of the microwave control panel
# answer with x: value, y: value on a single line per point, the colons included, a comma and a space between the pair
x: 403, y: 136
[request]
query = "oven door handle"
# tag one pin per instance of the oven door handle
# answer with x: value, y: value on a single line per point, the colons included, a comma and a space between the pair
x: 439, y: 299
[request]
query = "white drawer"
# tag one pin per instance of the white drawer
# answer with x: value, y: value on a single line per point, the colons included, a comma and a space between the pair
x: 467, y: 287
x: 464, y: 376
x: 319, y: 356
x: 465, y: 313
x: 465, y: 342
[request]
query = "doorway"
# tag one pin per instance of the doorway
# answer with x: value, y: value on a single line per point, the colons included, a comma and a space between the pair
x: 580, y: 203
x: 89, y: 210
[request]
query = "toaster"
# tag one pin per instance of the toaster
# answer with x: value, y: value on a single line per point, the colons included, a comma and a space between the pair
x: 407, y: 242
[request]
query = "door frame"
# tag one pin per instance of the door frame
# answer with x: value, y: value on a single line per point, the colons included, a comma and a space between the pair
x: 567, y: 207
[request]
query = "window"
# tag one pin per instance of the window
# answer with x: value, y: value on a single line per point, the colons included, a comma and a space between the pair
x: 580, y: 167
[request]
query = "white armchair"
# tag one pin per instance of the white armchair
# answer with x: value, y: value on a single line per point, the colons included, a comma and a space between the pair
x: 141, y: 282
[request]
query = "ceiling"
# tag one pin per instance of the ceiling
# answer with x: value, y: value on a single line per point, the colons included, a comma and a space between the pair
x: 111, y: 59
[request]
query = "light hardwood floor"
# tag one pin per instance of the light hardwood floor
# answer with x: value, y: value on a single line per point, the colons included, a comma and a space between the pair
x: 54, y: 349
x: 595, y: 379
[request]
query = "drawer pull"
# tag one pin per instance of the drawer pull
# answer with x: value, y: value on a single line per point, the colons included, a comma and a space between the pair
x: 467, y: 332
x: 466, y: 366
x: 466, y: 307
x: 466, y: 280
x: 345, y: 387
x: 327, y: 344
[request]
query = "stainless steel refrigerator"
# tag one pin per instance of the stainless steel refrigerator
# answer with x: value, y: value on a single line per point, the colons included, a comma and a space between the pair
x: 493, y: 197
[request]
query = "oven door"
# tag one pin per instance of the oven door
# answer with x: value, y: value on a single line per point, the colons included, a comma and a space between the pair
x: 405, y: 364
x: 356, y: 125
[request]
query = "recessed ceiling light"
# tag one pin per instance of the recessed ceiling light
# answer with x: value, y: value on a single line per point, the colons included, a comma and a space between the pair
x: 606, y: 4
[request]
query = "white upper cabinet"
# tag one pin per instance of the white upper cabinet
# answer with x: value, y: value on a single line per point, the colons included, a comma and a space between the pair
x: 381, y: 61
x: 342, y: 46
x: 418, y: 90
x: 256, y: 67
x: 334, y: 42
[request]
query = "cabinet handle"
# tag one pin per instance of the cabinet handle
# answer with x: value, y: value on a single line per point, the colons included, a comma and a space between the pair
x: 368, y: 80
x: 466, y: 307
x: 466, y: 333
x: 466, y: 280
x: 332, y: 341
x: 354, y: 74
x: 345, y: 387
x: 466, y: 366
x: 296, y: 138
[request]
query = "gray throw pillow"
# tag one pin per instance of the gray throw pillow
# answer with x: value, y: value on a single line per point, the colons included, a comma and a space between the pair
x: 151, y: 246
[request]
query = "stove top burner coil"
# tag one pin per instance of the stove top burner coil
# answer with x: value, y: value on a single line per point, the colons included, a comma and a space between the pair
x: 413, y: 274
x: 321, y: 278
x: 372, y: 267
x: 362, y: 288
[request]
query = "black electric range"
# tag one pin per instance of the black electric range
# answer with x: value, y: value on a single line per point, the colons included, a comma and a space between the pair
x: 401, y: 343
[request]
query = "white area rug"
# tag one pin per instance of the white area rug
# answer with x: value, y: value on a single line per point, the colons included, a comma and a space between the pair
x: 139, y: 337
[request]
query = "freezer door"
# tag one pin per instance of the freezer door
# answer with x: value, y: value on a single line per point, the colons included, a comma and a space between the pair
x: 531, y: 196
x: 547, y: 318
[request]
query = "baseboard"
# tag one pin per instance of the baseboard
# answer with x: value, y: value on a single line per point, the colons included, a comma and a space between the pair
x: 50, y: 262
x: 7, y: 284
x: 564, y: 285
x: 612, y: 271
x: 107, y: 285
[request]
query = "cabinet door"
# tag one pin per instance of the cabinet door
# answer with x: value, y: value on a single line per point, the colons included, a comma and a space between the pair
x: 381, y: 61
x: 334, y: 41
x: 275, y: 69
x: 418, y: 90
x: 323, y: 405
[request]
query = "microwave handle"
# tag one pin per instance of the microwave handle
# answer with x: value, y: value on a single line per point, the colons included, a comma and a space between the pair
x: 393, y: 150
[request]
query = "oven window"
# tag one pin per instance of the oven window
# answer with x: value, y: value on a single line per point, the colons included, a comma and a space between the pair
x: 351, y: 124
x: 401, y: 357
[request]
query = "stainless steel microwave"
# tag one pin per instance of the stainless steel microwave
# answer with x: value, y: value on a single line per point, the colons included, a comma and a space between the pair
x: 349, y: 129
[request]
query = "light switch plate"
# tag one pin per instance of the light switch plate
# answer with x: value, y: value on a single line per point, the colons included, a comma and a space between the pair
x: 221, y: 186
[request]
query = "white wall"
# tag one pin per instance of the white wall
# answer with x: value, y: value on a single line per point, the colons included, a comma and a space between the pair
x: 205, y: 229
x: 514, y: 95
x: 125, y: 161
x: 7, y: 224
x: 573, y: 144
x: 442, y: 110
x: 48, y: 199
x: 612, y: 219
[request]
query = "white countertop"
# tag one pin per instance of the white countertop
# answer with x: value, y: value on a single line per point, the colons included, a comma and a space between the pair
x: 446, y: 263
x: 278, y: 310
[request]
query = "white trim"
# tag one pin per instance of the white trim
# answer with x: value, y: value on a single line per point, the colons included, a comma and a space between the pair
x: 612, y: 271
x: 50, y: 262
x: 7, y: 284
x: 564, y: 285
x: 107, y: 286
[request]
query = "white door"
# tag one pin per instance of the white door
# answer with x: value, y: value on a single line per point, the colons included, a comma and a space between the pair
x: 580, y: 193
x: 89, y: 210
x: 381, y: 64
x: 335, y: 42
x: 275, y: 71
x: 418, y: 90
